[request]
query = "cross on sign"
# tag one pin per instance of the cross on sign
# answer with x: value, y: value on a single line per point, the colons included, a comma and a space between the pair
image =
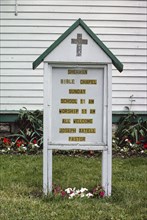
x: 79, y: 41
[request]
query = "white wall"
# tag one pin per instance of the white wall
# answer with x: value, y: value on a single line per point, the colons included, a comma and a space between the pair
x: 121, y: 25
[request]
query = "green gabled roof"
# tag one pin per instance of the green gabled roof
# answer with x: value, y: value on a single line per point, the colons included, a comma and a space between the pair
x: 80, y: 22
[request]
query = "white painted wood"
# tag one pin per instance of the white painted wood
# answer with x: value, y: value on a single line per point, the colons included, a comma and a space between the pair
x: 119, y: 24
x: 97, y: 54
x: 105, y: 135
x: 14, y: 94
x: 40, y: 44
x: 38, y: 51
x: 47, y: 156
x: 48, y: 121
x: 21, y: 86
x: 75, y: 15
x: 130, y: 73
x: 102, y: 30
x: 129, y: 80
x: 66, y: 23
x: 119, y: 3
x: 127, y: 94
x: 109, y: 132
x: 137, y: 108
x: 99, y: 147
x: 23, y: 72
x: 127, y: 101
x: 19, y: 100
x: 21, y: 79
x: 105, y: 171
x: 76, y: 8
x: 49, y: 181
x: 128, y: 87
x: 17, y: 107
x: 52, y: 37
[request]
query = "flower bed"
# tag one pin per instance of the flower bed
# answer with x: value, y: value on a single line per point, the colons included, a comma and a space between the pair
x: 129, y: 139
x: 71, y: 193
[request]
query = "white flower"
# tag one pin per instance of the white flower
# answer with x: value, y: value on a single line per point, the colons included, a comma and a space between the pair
x: 24, y: 148
x: 122, y: 150
x: 28, y: 132
x: 78, y: 191
x: 142, y: 151
x: 8, y: 148
x: 113, y: 141
x: 68, y: 190
x: 126, y: 140
x: 89, y: 195
x: 83, y: 190
x: 131, y: 144
x: 71, y: 195
x: 82, y: 195
x: 36, y: 145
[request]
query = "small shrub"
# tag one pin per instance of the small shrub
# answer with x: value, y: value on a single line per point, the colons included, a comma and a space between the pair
x: 29, y: 138
x: 130, y: 137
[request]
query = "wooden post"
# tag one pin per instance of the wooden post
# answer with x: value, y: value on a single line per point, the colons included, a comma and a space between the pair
x: 109, y: 153
x: 47, y: 154
x: 45, y: 132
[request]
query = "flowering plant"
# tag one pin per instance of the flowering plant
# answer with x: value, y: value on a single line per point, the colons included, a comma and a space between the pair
x: 18, y: 145
x: 130, y: 137
x: 70, y: 193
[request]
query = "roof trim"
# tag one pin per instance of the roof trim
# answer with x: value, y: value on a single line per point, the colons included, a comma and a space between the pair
x: 80, y: 22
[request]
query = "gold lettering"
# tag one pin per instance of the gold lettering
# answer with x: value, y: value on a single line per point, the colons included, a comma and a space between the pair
x: 72, y: 71
x: 82, y: 121
x: 69, y: 101
x: 67, y: 130
x: 82, y: 101
x: 67, y: 81
x: 68, y: 111
x: 66, y: 121
x: 91, y: 101
x: 84, y: 111
x: 77, y: 139
x: 87, y: 130
x: 92, y: 111
x: 77, y: 91
x: 88, y: 81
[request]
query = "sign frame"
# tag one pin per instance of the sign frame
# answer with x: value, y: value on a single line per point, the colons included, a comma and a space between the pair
x: 106, y: 147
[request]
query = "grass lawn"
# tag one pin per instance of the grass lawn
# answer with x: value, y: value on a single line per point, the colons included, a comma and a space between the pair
x: 22, y: 198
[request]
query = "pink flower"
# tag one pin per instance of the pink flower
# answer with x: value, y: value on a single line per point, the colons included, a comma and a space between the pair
x: 102, y: 193
x: 63, y: 193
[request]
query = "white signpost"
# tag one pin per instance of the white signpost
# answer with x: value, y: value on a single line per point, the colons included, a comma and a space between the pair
x: 77, y: 98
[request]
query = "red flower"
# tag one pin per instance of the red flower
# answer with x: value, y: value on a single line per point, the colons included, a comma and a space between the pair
x: 34, y: 141
x: 138, y: 142
x: 18, y: 143
x: 145, y: 146
x: 6, y: 141
x: 102, y: 193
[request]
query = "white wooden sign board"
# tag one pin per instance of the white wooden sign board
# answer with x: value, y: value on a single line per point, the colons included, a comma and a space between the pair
x: 77, y: 114
x: 77, y: 106
x: 77, y: 98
